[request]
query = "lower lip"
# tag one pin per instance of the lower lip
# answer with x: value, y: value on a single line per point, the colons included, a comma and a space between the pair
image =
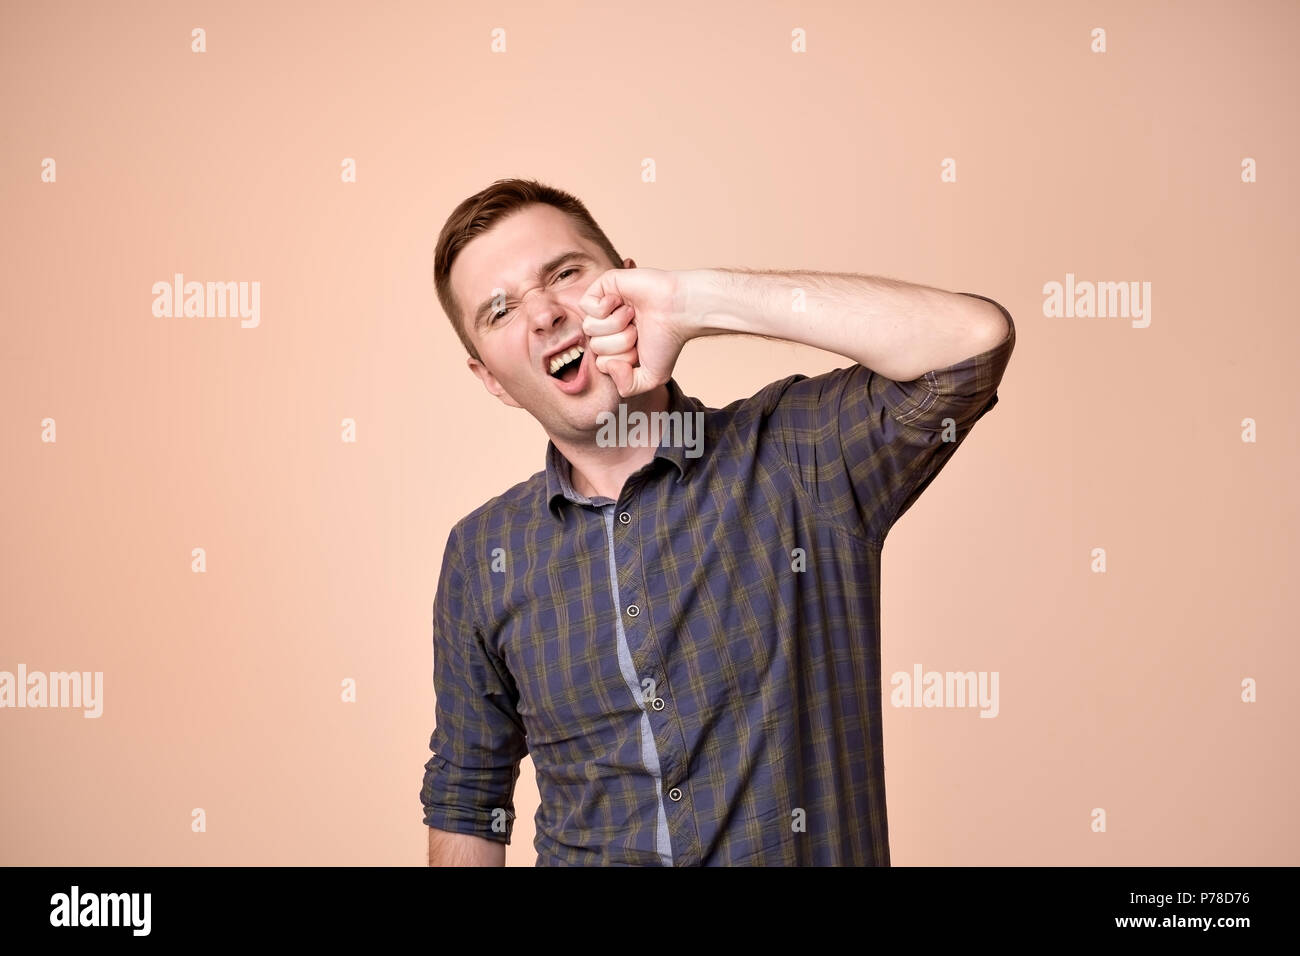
x: 580, y: 380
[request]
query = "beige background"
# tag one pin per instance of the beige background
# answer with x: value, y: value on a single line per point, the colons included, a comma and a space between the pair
x: 222, y: 690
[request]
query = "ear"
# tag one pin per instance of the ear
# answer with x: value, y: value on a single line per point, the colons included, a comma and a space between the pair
x: 490, y: 382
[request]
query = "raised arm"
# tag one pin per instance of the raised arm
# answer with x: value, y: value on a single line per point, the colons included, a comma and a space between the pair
x: 897, y: 329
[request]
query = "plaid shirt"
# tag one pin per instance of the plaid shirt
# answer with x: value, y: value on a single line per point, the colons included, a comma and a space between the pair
x: 695, y: 668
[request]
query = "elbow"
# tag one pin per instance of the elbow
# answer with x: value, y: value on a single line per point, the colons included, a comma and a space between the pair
x: 992, y: 324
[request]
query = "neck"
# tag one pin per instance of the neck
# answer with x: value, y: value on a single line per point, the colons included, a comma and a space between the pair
x: 597, y: 471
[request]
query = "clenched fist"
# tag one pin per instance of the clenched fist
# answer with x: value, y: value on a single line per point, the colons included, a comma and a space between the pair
x: 636, y: 325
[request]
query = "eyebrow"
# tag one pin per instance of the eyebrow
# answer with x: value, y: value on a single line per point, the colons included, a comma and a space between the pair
x: 547, y: 268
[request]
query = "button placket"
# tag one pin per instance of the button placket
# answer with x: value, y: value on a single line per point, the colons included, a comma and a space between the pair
x: 625, y: 519
x: 658, y: 703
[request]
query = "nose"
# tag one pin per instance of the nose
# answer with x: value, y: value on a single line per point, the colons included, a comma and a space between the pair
x: 544, y: 313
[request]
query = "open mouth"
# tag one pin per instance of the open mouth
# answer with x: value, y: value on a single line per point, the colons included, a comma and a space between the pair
x: 568, y: 365
x: 570, y: 370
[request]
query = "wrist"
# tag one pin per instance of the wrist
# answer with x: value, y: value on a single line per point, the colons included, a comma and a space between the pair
x: 703, y: 302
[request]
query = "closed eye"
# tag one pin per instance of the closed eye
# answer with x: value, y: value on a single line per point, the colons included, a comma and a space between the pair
x: 502, y: 313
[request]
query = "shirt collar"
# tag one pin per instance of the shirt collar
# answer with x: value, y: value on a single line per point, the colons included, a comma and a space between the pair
x: 559, y: 486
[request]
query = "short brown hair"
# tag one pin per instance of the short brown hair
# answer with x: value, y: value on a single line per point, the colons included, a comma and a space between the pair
x: 480, y: 212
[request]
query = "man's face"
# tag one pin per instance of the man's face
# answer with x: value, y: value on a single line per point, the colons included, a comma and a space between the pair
x: 518, y: 335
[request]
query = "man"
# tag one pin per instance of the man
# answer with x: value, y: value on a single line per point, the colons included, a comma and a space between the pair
x: 680, y: 624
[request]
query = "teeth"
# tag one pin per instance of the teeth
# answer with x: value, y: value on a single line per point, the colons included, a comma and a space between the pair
x: 566, y: 358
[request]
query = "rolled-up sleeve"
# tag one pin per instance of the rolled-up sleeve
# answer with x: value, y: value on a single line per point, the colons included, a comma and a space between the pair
x: 478, y: 739
x: 866, y: 446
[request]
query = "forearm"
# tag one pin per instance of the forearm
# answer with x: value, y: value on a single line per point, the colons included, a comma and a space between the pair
x: 461, y: 849
x: 897, y: 329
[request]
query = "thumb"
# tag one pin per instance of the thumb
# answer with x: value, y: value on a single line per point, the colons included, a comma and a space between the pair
x: 622, y: 374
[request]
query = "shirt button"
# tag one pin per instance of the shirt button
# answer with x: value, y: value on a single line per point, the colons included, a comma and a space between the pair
x: 674, y: 794
x: 657, y: 703
x: 633, y: 610
x: 624, y: 518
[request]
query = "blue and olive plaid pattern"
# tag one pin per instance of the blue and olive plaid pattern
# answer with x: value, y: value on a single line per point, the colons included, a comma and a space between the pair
x: 748, y: 587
